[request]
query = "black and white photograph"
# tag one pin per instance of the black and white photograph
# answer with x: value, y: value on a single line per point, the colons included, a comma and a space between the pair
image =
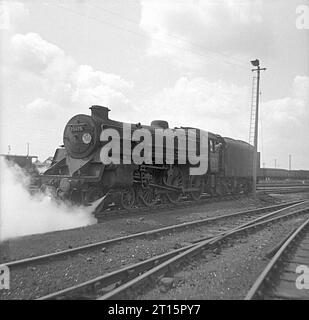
x: 154, y: 153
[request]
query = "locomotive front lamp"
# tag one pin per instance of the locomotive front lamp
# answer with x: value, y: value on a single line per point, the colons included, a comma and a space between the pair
x: 86, y: 138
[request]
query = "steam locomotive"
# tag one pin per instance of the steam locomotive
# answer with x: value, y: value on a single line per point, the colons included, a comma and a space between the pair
x: 78, y: 174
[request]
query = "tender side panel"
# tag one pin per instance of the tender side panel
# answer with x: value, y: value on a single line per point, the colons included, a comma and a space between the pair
x: 238, y: 158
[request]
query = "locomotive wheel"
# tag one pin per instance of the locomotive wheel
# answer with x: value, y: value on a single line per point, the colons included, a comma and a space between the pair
x: 127, y: 198
x: 196, y: 182
x: 212, y: 192
x: 164, y: 199
x: 147, y: 196
x: 174, y: 179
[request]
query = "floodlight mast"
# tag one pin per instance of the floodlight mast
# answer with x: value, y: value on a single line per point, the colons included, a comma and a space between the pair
x: 256, y: 63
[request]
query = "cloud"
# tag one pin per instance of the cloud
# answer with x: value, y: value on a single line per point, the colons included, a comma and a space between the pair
x: 42, y: 108
x: 11, y: 13
x: 36, y: 55
x: 65, y: 83
x: 230, y: 27
x: 45, y: 87
x: 86, y: 76
x: 215, y: 106
x: 290, y: 112
x: 285, y: 126
x: 224, y: 109
x: 93, y: 87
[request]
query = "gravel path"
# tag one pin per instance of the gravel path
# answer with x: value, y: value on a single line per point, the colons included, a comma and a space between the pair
x: 36, y: 281
x: 229, y: 274
x: 38, y: 244
x: 93, y: 263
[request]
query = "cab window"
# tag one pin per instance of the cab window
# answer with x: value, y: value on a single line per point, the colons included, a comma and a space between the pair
x: 212, y: 146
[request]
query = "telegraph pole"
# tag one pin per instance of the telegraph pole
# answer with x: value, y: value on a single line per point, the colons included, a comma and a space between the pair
x: 256, y: 63
x: 290, y: 162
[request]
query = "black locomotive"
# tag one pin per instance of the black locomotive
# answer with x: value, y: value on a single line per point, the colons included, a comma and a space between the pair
x: 78, y: 174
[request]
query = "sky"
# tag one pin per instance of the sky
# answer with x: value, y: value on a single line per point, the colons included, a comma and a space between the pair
x: 184, y: 61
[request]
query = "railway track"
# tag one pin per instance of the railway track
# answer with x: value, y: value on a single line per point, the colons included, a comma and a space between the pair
x: 115, y: 211
x: 283, y: 189
x: 130, y: 280
x: 282, y: 184
x: 185, y: 202
x: 287, y: 274
x: 241, y: 215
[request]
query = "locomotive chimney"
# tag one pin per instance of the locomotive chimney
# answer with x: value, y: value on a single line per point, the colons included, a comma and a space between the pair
x: 161, y: 124
x: 99, y: 112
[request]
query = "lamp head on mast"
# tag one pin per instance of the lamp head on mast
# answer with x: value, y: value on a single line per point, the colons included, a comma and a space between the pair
x: 255, y: 62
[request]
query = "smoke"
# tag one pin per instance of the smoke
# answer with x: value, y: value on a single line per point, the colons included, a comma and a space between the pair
x: 23, y: 214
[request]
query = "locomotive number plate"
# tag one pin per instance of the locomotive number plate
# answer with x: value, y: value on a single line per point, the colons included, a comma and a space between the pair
x: 75, y: 128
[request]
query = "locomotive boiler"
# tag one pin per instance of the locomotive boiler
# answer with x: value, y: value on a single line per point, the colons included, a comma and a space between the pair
x: 78, y: 174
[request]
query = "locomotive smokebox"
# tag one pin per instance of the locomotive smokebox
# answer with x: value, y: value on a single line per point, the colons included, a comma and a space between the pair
x: 161, y: 124
x: 99, y: 113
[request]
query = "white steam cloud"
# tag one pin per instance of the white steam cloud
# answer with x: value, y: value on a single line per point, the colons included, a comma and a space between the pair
x: 23, y: 214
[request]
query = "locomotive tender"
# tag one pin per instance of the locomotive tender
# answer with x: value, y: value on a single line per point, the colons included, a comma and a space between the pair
x: 78, y: 174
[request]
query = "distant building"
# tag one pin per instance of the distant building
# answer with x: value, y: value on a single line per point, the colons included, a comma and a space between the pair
x: 25, y: 162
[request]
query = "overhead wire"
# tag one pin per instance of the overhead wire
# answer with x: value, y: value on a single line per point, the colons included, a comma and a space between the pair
x: 172, y: 35
x: 88, y: 16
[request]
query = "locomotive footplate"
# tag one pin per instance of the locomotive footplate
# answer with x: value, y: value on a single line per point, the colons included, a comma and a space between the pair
x: 172, y: 188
